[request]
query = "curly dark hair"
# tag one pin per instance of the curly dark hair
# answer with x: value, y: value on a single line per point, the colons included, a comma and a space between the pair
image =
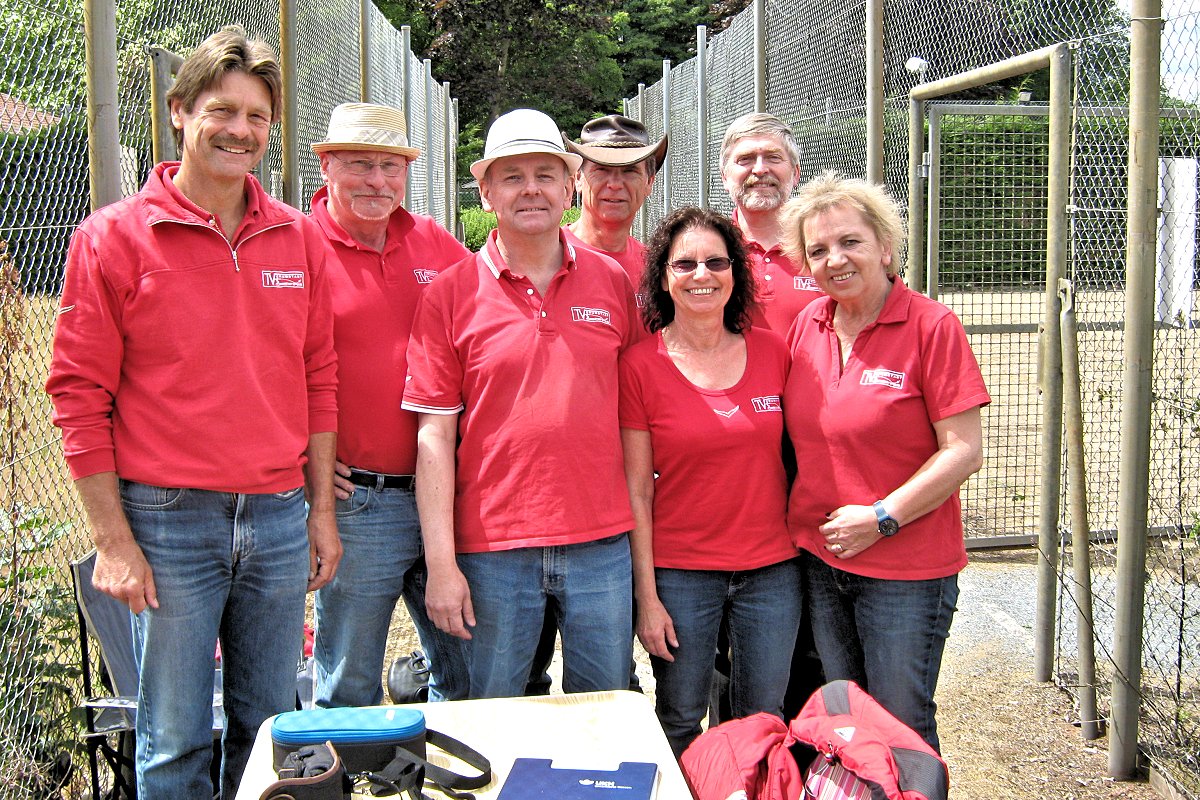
x: 659, y: 311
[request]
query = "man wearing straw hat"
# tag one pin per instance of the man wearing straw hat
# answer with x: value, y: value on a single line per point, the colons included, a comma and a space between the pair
x: 194, y: 380
x: 619, y: 165
x: 520, y: 485
x: 381, y: 258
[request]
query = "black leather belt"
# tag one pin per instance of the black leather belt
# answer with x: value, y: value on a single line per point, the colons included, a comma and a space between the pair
x: 379, y: 480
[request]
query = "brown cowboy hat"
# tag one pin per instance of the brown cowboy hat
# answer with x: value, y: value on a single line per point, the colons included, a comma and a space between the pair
x: 617, y: 141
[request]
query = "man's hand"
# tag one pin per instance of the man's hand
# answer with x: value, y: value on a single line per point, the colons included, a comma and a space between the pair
x: 448, y: 602
x: 123, y: 572
x: 342, y: 487
x: 324, y: 548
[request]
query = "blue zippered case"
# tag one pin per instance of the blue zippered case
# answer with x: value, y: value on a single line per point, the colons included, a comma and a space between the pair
x: 365, y: 738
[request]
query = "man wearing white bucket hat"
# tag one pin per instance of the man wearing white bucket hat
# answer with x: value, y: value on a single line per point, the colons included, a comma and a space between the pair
x: 380, y: 260
x: 520, y: 485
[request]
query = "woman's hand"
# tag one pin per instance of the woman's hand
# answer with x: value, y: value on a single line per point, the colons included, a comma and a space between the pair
x: 655, y: 629
x: 850, y: 530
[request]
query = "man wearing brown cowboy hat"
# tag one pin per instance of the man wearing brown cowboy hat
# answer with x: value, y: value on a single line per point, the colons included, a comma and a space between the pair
x: 619, y: 165
x: 381, y: 258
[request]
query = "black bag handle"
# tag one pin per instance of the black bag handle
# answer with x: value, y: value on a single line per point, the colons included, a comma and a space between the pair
x: 448, y: 781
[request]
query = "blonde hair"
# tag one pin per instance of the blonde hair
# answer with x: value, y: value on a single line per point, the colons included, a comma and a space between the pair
x: 831, y: 190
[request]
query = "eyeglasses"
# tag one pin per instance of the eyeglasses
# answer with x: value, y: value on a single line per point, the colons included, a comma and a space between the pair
x: 686, y: 265
x: 363, y: 167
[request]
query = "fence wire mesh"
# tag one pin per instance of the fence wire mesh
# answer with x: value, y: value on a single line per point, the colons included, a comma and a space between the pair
x: 987, y: 186
x: 44, y: 175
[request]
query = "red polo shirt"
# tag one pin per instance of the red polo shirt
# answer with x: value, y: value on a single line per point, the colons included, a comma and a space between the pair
x: 785, y: 287
x: 374, y: 299
x: 632, y: 259
x: 535, y: 379
x: 865, y: 429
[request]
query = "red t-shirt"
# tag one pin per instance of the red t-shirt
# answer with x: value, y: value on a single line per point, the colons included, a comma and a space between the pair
x: 862, y: 431
x: 374, y: 299
x: 720, y: 498
x: 535, y: 379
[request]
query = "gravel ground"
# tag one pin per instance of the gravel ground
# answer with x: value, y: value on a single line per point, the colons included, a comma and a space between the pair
x: 1003, y: 734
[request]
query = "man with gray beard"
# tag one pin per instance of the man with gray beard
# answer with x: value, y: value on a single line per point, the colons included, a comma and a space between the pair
x: 760, y: 166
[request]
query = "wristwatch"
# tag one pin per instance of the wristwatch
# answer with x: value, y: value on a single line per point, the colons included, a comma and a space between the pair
x: 887, y: 524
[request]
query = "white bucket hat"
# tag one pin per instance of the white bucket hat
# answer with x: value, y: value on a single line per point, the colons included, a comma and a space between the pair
x: 365, y: 126
x: 520, y: 132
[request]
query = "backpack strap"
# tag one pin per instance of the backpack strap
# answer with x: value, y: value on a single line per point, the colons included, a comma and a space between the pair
x: 920, y: 772
x: 836, y: 695
x: 398, y: 774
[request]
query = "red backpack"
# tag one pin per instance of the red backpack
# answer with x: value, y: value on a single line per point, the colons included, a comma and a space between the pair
x: 863, y: 753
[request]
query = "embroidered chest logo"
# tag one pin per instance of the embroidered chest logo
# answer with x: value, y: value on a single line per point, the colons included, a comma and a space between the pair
x: 727, y: 414
x: 882, y: 377
x: 425, y: 275
x: 582, y: 314
x: 763, y: 405
x: 805, y: 283
x: 278, y: 279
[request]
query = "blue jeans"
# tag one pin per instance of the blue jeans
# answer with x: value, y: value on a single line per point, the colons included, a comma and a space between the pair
x: 382, y: 562
x: 227, y: 566
x: 591, y: 587
x: 885, y: 635
x: 762, y: 608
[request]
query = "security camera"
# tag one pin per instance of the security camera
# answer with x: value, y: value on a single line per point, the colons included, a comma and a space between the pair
x: 917, y: 65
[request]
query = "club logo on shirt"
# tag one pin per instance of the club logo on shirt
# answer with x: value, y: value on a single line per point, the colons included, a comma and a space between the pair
x: 425, y: 275
x: 278, y: 279
x: 763, y: 405
x: 882, y: 377
x: 805, y: 283
x: 582, y: 314
x: 727, y: 414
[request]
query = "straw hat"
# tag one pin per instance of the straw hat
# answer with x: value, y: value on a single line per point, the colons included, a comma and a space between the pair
x: 617, y: 141
x: 520, y: 132
x: 365, y: 126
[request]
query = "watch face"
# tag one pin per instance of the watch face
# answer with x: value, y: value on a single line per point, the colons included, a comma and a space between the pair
x: 888, y: 526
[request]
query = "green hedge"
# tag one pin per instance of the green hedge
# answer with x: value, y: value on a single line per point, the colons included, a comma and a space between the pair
x: 477, y: 224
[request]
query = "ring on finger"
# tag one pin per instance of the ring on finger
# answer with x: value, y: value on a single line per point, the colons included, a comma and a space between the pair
x: 837, y: 548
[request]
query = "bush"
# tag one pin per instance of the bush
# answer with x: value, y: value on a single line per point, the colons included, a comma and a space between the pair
x: 477, y: 224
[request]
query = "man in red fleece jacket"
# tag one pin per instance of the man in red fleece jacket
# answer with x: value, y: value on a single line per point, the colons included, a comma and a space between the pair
x: 194, y: 380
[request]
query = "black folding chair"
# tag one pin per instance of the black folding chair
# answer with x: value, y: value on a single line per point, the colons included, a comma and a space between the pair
x: 109, y: 718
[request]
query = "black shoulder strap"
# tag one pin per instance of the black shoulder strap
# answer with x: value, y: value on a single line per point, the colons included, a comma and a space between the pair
x: 399, y: 774
x: 836, y: 695
x: 921, y: 772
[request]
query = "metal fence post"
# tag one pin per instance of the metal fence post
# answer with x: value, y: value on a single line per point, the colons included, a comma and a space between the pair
x: 1081, y: 531
x: 448, y: 179
x: 915, y: 273
x: 874, y: 87
x: 666, y: 123
x: 1134, y: 474
x: 1050, y: 374
x: 104, y: 143
x: 427, y: 79
x: 289, y: 127
x: 365, y: 56
x: 405, y: 103
x: 164, y: 64
x: 641, y: 117
x: 701, y: 116
x: 760, y: 55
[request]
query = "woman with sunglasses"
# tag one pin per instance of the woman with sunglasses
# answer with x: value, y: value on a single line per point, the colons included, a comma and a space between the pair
x: 702, y: 429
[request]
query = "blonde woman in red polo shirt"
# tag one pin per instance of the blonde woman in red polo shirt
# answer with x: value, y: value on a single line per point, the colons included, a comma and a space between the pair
x: 700, y: 407
x: 882, y: 404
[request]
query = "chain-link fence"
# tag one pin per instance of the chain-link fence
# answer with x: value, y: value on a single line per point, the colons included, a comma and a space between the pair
x: 45, y: 193
x: 986, y: 176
